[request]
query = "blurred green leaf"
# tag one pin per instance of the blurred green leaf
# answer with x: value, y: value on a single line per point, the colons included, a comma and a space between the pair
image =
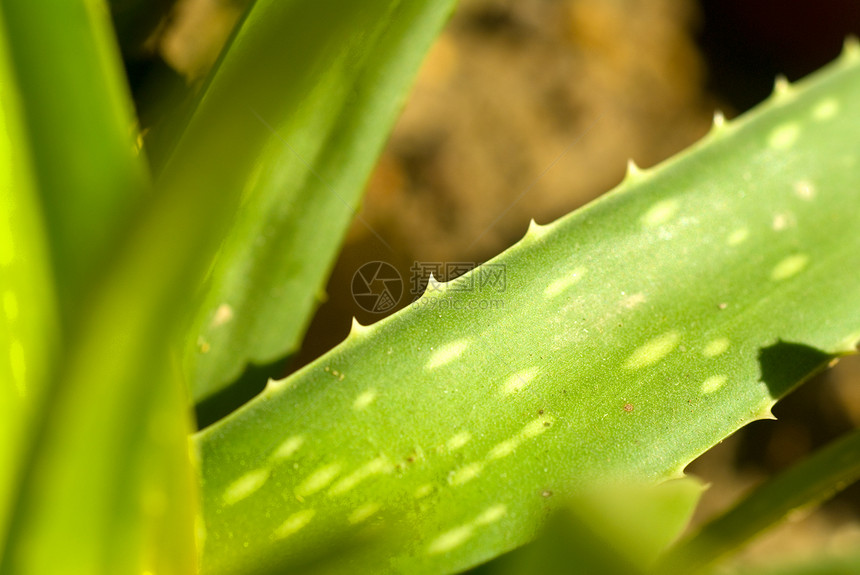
x: 805, y: 485
x: 105, y: 483
x: 80, y: 124
x: 823, y: 564
x: 616, y: 344
x: 305, y: 96
x: 29, y: 328
x: 610, y: 529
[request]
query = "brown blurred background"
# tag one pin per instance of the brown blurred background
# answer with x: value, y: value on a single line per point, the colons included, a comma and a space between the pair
x: 529, y: 109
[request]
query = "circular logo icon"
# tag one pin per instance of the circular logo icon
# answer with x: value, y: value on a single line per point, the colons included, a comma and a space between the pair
x: 377, y: 287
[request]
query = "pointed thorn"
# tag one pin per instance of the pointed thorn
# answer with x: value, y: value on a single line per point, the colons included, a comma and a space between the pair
x: 433, y: 285
x: 633, y: 171
x: 357, y: 329
x: 767, y: 411
x: 677, y: 473
x: 851, y: 48
x: 781, y: 86
x: 535, y: 229
x: 849, y: 346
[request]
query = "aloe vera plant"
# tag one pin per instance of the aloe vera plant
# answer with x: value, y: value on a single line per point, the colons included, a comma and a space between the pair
x: 595, y: 370
x: 635, y: 333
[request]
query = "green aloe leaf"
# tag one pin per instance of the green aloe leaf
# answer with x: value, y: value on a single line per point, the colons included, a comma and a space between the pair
x: 80, y: 122
x: 28, y: 331
x: 615, y: 344
x: 823, y: 564
x: 99, y: 479
x: 809, y: 483
x: 306, y: 96
x: 611, y: 529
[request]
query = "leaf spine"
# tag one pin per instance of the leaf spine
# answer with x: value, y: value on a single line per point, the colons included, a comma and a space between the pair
x: 536, y: 230
x: 357, y: 330
x: 634, y: 172
x: 851, y: 48
x: 781, y: 88
x: 433, y: 285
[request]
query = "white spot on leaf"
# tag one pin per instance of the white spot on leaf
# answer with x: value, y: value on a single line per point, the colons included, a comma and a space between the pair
x: 364, y: 399
x: 804, y: 190
x: 738, y: 236
x: 317, y: 480
x: 451, y: 539
x: 223, y: 314
x: 245, y: 486
x: 562, y: 284
x: 792, y: 265
x: 713, y: 383
x: 423, y: 491
x: 653, y: 351
x: 466, y: 473
x: 783, y: 137
x: 363, y: 513
x: 634, y: 300
x: 519, y: 380
x: 458, y: 441
x: 491, y: 514
x: 288, y: 447
x: 459, y: 535
x: 716, y: 347
x: 447, y: 353
x: 294, y: 523
x: 782, y: 220
x: 537, y: 427
x: 374, y: 467
x: 825, y: 109
x: 660, y: 213
x: 504, y: 448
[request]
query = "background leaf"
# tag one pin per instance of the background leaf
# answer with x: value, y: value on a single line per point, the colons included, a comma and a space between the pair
x: 312, y: 88
x: 807, y: 484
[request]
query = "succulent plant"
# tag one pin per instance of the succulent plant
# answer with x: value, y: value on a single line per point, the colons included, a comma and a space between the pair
x: 580, y: 370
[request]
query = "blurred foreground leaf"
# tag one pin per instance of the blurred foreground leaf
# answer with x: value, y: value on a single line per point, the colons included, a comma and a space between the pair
x: 618, y: 529
x: 81, y: 128
x: 29, y: 328
x: 104, y: 482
